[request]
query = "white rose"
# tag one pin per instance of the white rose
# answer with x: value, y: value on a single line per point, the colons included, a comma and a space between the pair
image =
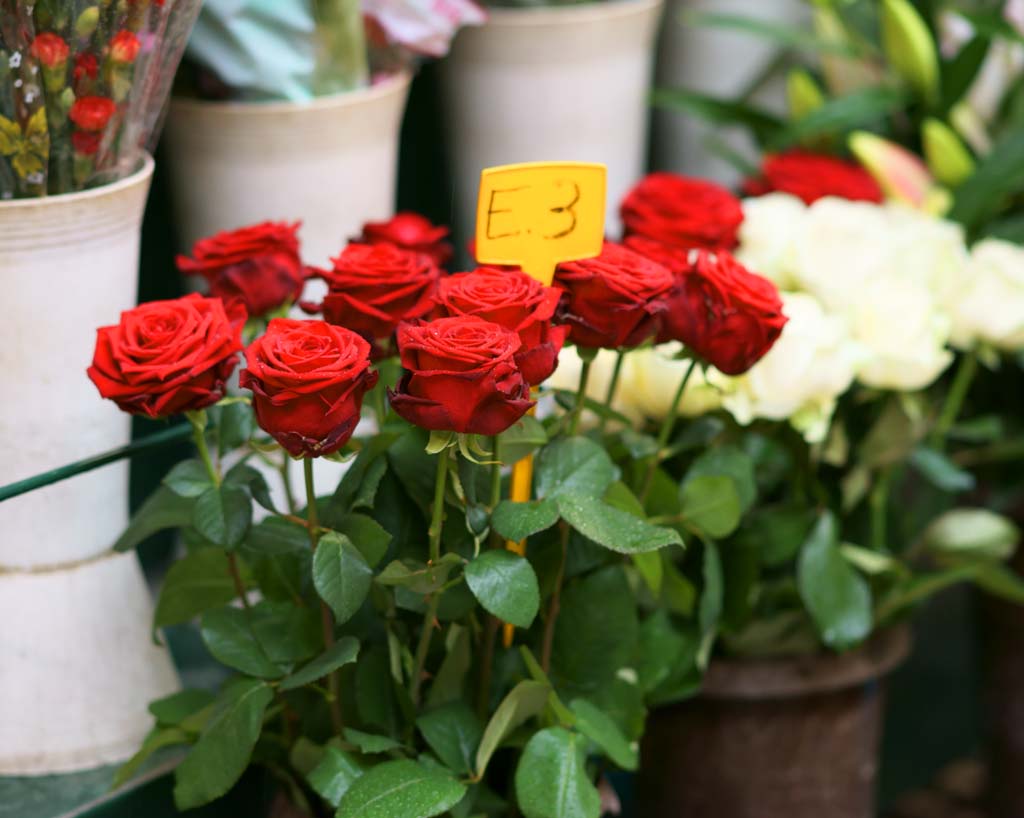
x: 903, y: 333
x: 567, y: 377
x: 924, y: 248
x: 651, y: 378
x: 767, y: 236
x: 988, y: 306
x: 802, y: 376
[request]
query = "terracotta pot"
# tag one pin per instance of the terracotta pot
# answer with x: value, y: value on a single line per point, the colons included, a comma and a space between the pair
x: 781, y: 738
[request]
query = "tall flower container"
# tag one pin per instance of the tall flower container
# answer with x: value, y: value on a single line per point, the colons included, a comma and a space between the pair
x: 77, y: 663
x: 331, y: 162
x: 534, y: 84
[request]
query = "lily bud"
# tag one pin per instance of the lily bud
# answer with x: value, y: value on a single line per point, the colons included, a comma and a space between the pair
x: 948, y: 157
x: 86, y: 23
x: 802, y: 94
x: 901, y: 175
x: 910, y: 48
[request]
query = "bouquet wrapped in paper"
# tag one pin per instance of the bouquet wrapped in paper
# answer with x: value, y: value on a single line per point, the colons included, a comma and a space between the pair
x: 82, y: 88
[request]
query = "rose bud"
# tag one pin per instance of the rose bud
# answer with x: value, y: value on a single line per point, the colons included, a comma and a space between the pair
x: 410, y: 231
x: 612, y: 301
x: 124, y: 47
x: 725, y: 314
x: 86, y: 67
x: 682, y: 212
x: 51, y: 50
x: 259, y: 264
x: 91, y: 114
x: 308, y: 380
x: 166, y: 357
x: 812, y: 176
x: 517, y: 302
x: 374, y: 287
x: 460, y: 376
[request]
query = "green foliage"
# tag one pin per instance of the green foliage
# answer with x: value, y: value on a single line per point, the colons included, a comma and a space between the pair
x: 404, y: 788
x: 196, y: 583
x: 552, y: 780
x: 505, y: 585
x: 341, y: 575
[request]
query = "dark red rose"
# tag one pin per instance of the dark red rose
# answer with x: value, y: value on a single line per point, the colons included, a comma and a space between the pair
x: 460, y: 376
x: 308, y: 379
x: 612, y: 301
x: 166, y: 357
x: 86, y: 143
x: 259, y: 264
x: 724, y: 313
x: 812, y: 176
x: 682, y: 212
x: 517, y: 302
x: 374, y: 287
x: 92, y: 113
x: 51, y: 50
x: 411, y: 231
x: 86, y: 67
x: 124, y: 47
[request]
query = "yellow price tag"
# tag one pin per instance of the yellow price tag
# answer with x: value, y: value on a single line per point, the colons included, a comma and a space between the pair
x: 538, y: 214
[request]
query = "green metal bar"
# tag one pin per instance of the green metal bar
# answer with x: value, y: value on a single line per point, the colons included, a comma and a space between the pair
x: 175, y: 434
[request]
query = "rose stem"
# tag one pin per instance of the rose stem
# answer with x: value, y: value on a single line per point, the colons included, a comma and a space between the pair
x: 491, y: 623
x: 289, y: 495
x: 581, y: 395
x: 879, y: 502
x: 198, y: 421
x: 436, y: 524
x: 666, y: 430
x: 612, y: 386
x: 326, y: 620
x: 955, y: 399
x: 556, y: 603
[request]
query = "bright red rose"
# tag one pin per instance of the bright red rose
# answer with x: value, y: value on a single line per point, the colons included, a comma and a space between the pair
x: 411, y: 231
x: 50, y: 49
x: 86, y: 67
x: 812, y: 176
x: 517, y: 302
x: 92, y: 113
x: 308, y: 380
x: 374, y: 287
x: 460, y: 376
x: 725, y: 314
x: 124, y: 47
x: 166, y: 357
x: 612, y: 301
x: 259, y: 264
x: 682, y: 212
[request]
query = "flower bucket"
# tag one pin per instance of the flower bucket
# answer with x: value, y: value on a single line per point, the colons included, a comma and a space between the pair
x: 78, y: 664
x: 551, y: 83
x: 773, y: 738
x: 331, y: 163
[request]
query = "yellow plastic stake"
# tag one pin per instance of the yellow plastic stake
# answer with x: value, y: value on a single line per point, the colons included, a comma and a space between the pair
x: 537, y: 215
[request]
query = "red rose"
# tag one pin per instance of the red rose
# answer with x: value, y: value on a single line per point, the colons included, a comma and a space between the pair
x: 50, y: 50
x: 727, y: 315
x: 86, y: 143
x: 517, y: 302
x: 612, y: 301
x: 411, y: 231
x: 812, y: 176
x: 374, y: 287
x: 92, y: 113
x: 167, y: 357
x: 682, y: 212
x: 258, y: 264
x: 460, y: 376
x: 124, y: 47
x: 86, y: 67
x: 308, y: 380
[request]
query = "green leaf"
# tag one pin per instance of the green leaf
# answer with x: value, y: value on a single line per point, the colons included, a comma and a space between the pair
x: 727, y: 461
x: 521, y: 439
x: 856, y: 110
x: 343, y: 652
x: 172, y: 710
x: 370, y: 742
x: 1000, y: 581
x: 778, y: 33
x: 552, y: 779
x: 334, y: 775
x: 188, y: 479
x: 341, y: 575
x: 223, y: 515
x: 366, y: 534
x: 275, y: 536
x: 245, y: 476
x: 288, y: 632
x: 973, y: 532
x: 719, y: 111
x: 194, y: 584
x: 777, y: 532
x: 400, y: 788
x: 419, y: 578
x: 940, y: 471
x: 872, y: 563
x: 505, y: 584
x: 713, y: 594
x: 573, y: 465
x: 228, y: 635
x: 235, y: 426
x: 605, y: 733
x: 517, y: 521
x: 163, y: 509
x: 621, y: 497
x: 524, y: 701
x: 711, y: 505
x: 223, y: 751
x: 453, y: 732
x: 999, y: 174
x: 156, y: 740
x: 836, y: 596
x: 616, y: 530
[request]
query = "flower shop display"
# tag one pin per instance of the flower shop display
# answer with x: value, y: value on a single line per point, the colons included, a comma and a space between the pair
x: 543, y: 80
x: 82, y: 89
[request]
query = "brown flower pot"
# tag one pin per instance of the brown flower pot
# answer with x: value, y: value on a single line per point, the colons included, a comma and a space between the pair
x: 778, y: 738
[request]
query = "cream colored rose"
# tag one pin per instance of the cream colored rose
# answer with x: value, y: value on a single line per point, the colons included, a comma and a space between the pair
x: 988, y: 306
x: 926, y: 249
x: 802, y: 376
x: 567, y: 377
x: 768, y: 236
x: 651, y: 378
